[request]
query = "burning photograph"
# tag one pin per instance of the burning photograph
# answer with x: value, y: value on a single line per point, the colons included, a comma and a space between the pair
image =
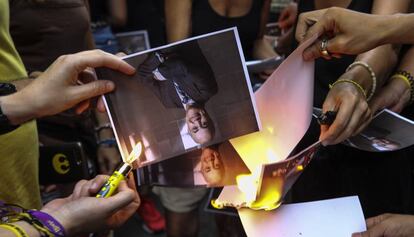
x: 388, y: 131
x: 184, y: 96
x: 213, y: 166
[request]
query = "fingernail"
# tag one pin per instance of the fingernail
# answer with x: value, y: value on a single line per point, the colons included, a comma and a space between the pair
x: 94, y: 186
x: 110, y: 86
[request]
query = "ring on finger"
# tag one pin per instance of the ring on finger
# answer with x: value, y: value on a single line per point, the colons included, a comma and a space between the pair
x: 324, y: 46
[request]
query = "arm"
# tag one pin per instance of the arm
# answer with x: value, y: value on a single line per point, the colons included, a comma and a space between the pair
x: 102, y: 213
x: 178, y: 19
x: 118, y: 12
x: 58, y: 89
x: 262, y: 49
x: 349, y: 35
x: 396, y: 94
x: 353, y: 110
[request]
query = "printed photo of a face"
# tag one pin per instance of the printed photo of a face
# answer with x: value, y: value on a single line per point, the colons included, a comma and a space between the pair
x: 383, y: 144
x: 185, y: 96
x: 213, y: 166
x: 387, y: 132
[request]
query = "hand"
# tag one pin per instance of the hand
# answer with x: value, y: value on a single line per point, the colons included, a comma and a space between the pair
x: 393, y: 96
x: 343, y: 27
x: 108, y: 159
x: 288, y: 16
x: 82, y: 213
x: 352, y: 117
x: 388, y: 225
x: 58, y: 89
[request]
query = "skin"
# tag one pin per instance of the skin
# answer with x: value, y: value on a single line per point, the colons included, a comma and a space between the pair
x: 388, y: 225
x: 288, y: 16
x: 178, y: 21
x: 199, y: 125
x: 211, y: 166
x: 349, y: 101
x: 60, y: 81
x: 103, y: 213
x: 396, y: 94
x: 349, y: 36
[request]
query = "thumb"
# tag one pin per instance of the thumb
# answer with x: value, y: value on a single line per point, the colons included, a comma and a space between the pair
x: 375, y: 231
x: 92, y: 89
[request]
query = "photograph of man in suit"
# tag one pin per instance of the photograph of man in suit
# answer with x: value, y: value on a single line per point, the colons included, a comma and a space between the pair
x: 181, y: 77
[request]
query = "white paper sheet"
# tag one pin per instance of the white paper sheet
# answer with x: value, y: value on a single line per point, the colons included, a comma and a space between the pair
x: 338, y: 217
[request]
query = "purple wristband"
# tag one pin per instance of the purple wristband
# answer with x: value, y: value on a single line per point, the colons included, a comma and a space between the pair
x: 49, y: 222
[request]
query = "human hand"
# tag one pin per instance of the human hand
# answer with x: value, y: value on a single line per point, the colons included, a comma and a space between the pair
x: 393, y: 96
x: 343, y: 27
x: 60, y: 87
x: 388, y: 225
x: 82, y: 213
x: 288, y: 16
x: 353, y: 113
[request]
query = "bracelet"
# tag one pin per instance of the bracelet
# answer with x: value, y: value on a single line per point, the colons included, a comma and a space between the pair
x: 103, y: 126
x: 107, y: 142
x: 349, y: 81
x: 402, y: 77
x: 49, y: 222
x: 406, y: 76
x: 371, y: 72
x: 44, y: 232
x: 17, y: 230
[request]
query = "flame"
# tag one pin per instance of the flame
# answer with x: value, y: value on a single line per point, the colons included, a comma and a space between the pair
x: 249, y: 184
x: 135, y: 153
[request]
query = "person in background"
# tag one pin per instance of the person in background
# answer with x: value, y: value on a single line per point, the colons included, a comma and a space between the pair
x: 354, y: 81
x: 344, y: 27
x: 187, y: 18
x: 146, y: 15
x: 106, y: 14
x: 68, y: 214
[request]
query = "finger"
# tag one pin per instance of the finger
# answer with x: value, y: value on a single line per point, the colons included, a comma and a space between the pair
x: 85, y: 189
x: 90, y: 90
x: 377, y: 219
x: 367, y: 117
x: 313, y: 51
x: 121, y: 54
x: 101, y: 104
x: 341, y: 121
x: 78, y: 188
x: 82, y: 106
x: 374, y: 231
x: 357, y: 117
x: 121, y: 199
x: 328, y: 105
x: 98, y: 58
x: 323, y: 25
x: 97, y: 183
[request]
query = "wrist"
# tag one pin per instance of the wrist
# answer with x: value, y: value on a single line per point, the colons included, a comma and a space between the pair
x: 392, y: 28
x: 63, y: 217
x: 17, y: 108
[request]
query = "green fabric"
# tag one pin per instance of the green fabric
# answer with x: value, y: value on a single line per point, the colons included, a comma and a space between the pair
x: 19, y: 149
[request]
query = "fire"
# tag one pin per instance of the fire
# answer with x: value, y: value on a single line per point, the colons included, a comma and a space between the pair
x: 135, y: 153
x: 249, y: 184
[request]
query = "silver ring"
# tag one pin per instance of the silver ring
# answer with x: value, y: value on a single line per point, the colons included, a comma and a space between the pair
x: 324, y: 45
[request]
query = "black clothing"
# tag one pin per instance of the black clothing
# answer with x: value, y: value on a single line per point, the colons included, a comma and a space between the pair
x: 383, y: 181
x: 146, y: 15
x: 185, y: 66
x: 205, y: 20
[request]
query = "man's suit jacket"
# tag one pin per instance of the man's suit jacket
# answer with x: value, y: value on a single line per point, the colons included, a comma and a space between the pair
x: 187, y: 66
